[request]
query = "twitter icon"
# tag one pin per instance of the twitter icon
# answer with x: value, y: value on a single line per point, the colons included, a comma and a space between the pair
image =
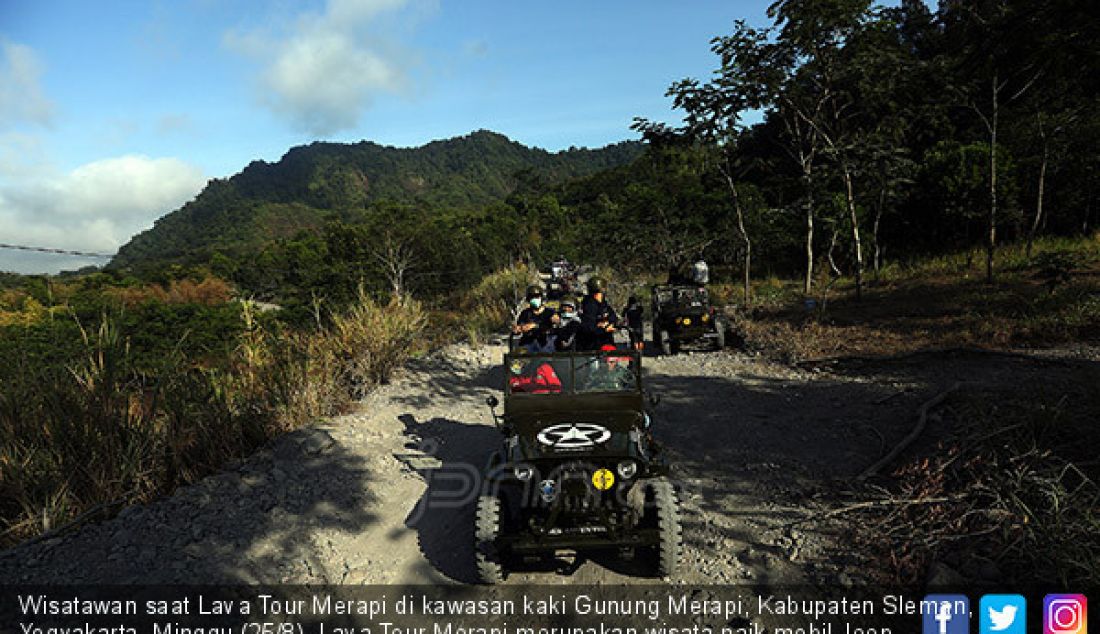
x: 1003, y: 614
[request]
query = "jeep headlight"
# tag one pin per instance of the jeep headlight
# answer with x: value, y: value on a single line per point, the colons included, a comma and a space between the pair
x: 627, y: 469
x: 705, y: 317
x: 523, y: 472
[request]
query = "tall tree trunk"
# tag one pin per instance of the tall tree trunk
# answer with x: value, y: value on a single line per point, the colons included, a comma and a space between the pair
x: 854, y: 219
x: 874, y: 232
x: 991, y: 236
x: 744, y: 235
x: 807, y: 178
x: 1042, y: 181
x: 1038, y: 204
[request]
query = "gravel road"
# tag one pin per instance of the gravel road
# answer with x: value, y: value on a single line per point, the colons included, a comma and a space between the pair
x: 758, y: 447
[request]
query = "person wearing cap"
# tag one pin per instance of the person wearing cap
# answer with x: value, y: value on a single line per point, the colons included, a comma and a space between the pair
x: 611, y: 371
x: 598, y: 318
x: 535, y: 323
x: 568, y: 328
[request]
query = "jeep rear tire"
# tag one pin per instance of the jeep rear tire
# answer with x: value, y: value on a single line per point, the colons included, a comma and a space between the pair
x: 490, y: 564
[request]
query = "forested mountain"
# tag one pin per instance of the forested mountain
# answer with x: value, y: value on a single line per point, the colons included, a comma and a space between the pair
x: 323, y: 182
x: 878, y: 134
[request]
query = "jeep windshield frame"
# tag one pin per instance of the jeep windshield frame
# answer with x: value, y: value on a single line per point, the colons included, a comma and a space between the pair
x: 675, y: 296
x: 542, y: 375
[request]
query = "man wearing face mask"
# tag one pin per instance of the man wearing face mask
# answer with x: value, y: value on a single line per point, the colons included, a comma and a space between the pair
x: 535, y: 323
x: 568, y: 327
x: 598, y: 318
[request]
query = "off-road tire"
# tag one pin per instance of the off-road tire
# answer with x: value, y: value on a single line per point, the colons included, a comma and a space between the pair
x: 665, y: 514
x: 668, y: 347
x: 489, y: 518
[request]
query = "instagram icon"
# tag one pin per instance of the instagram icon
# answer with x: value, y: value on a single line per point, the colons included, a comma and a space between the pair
x: 1065, y: 614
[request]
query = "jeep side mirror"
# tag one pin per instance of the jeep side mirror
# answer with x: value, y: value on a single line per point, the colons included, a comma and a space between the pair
x: 492, y: 402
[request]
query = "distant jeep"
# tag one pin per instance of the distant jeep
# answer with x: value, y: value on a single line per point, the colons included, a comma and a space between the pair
x: 578, y: 469
x: 682, y: 314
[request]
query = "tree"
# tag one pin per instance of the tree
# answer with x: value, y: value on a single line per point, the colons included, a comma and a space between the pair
x: 992, y: 73
x: 713, y: 116
x: 812, y: 40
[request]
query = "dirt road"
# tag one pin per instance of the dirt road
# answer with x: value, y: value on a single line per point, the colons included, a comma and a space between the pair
x: 370, y: 497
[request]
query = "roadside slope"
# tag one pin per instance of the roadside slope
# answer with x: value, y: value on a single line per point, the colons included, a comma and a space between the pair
x: 373, y: 497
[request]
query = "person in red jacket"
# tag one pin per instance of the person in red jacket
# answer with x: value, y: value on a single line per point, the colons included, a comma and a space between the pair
x: 544, y: 380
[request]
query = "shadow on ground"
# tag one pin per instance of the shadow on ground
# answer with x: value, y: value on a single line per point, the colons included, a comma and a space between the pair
x: 262, y: 523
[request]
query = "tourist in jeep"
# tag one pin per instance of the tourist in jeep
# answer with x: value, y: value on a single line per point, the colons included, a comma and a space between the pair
x: 598, y: 318
x: 635, y: 319
x: 608, y: 372
x: 535, y: 323
x: 568, y: 328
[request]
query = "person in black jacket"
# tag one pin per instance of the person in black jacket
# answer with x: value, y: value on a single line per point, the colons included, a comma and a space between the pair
x: 634, y: 315
x: 598, y: 318
x: 568, y: 328
x: 535, y: 323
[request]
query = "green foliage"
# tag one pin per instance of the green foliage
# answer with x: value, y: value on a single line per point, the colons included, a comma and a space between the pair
x: 1055, y: 268
x: 324, y: 182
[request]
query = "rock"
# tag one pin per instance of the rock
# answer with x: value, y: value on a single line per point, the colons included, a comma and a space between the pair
x: 316, y: 441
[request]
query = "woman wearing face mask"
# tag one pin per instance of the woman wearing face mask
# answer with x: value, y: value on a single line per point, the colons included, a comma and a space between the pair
x: 570, y: 324
x: 535, y: 323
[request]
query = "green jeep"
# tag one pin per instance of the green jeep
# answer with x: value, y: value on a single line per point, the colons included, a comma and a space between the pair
x: 682, y: 314
x: 578, y: 469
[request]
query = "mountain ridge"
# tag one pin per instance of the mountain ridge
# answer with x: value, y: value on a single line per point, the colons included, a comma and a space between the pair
x: 320, y: 181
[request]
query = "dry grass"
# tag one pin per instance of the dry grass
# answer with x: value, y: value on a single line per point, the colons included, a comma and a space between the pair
x: 486, y: 309
x: 940, y: 303
x: 1018, y: 495
x: 103, y: 433
x: 210, y: 291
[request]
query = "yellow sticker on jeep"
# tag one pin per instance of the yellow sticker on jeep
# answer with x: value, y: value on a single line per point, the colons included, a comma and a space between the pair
x: 603, y: 479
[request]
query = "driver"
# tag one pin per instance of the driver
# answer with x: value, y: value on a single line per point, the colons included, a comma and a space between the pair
x: 611, y: 372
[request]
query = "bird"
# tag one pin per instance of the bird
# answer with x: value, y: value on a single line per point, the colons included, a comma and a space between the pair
x: 1001, y: 619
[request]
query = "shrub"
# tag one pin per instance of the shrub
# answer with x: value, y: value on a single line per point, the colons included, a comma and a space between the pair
x: 374, y: 339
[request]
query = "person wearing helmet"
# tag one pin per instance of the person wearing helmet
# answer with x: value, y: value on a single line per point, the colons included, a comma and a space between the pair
x: 568, y: 328
x: 598, y: 318
x: 535, y: 323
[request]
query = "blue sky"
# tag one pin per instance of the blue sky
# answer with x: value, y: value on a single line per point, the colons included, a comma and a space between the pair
x: 115, y: 113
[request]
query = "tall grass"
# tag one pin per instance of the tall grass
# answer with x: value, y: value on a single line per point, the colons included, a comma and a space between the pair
x: 486, y: 309
x: 101, y: 431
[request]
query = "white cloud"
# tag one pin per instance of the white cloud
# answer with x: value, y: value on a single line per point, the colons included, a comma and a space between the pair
x: 325, y: 70
x: 96, y: 207
x: 21, y: 96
